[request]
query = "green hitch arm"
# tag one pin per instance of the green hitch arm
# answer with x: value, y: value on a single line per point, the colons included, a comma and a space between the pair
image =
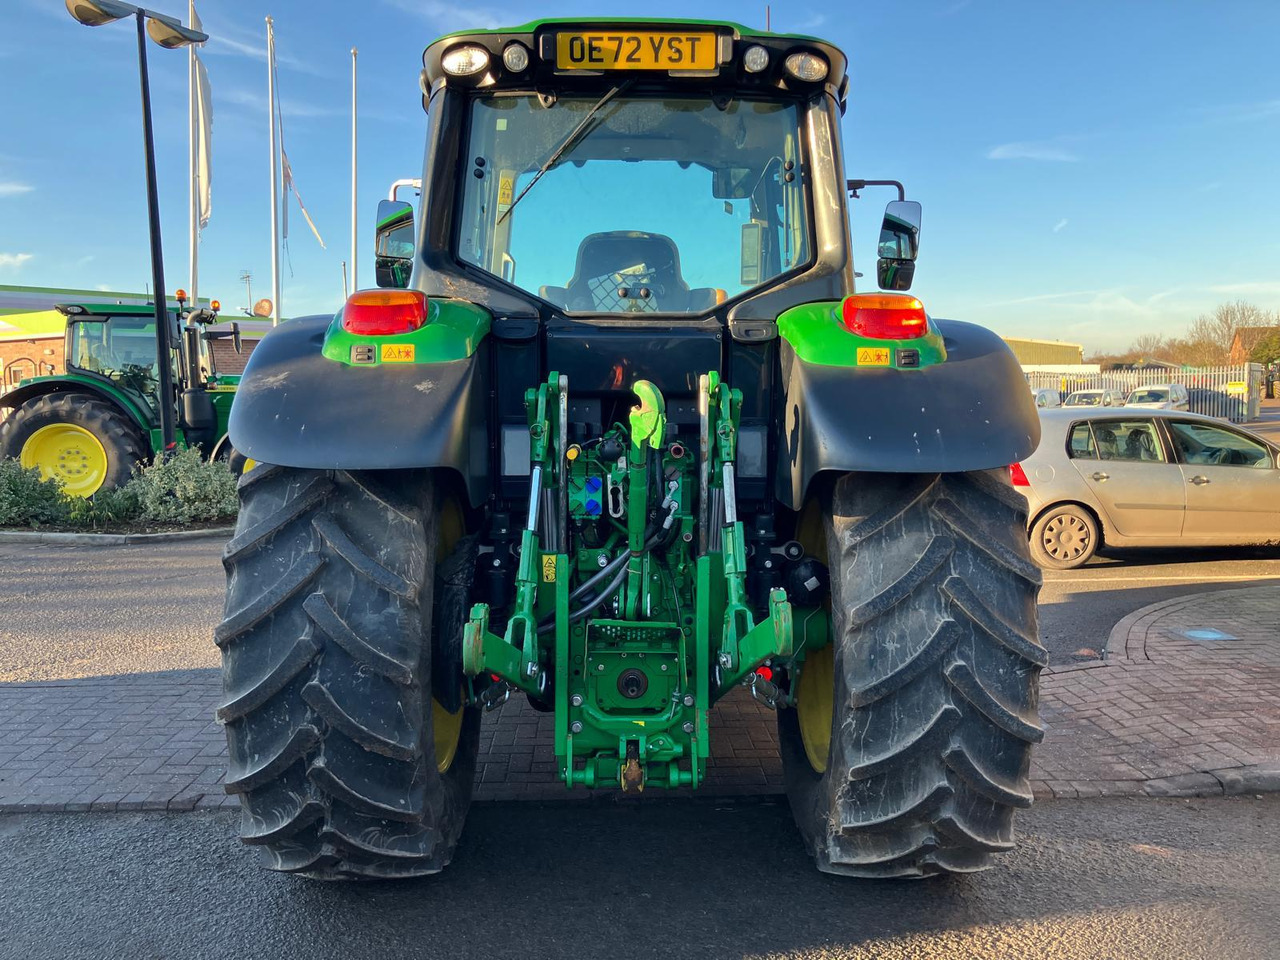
x: 768, y: 638
x: 648, y: 426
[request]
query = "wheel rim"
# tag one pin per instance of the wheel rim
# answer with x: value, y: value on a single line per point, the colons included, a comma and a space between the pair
x: 69, y: 453
x: 1066, y: 537
x: 447, y: 728
x: 815, y: 698
x: 249, y: 464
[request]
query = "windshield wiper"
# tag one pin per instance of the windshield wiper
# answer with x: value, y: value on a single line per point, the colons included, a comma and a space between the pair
x: 575, y: 135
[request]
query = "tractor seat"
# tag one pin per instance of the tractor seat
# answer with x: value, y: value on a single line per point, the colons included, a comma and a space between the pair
x: 629, y: 271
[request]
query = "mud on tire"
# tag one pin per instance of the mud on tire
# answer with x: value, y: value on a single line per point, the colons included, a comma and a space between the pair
x: 936, y: 677
x: 327, y: 676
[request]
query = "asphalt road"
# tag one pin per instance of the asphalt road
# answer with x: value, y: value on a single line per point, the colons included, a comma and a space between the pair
x: 1121, y: 880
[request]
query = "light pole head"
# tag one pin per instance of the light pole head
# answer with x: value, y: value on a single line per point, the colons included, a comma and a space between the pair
x: 168, y: 32
x: 94, y: 13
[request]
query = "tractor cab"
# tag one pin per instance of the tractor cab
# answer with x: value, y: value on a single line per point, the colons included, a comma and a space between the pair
x: 116, y: 344
x: 89, y: 426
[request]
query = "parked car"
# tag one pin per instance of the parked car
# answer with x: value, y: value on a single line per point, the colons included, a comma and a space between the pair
x: 1161, y: 396
x: 1046, y: 397
x: 1094, y: 398
x: 1156, y: 478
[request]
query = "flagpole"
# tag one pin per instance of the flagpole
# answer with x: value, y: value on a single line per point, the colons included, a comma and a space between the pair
x: 275, y: 176
x: 192, y: 140
x: 355, y: 285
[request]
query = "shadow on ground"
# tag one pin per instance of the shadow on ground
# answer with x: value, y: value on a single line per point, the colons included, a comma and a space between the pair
x: 695, y: 878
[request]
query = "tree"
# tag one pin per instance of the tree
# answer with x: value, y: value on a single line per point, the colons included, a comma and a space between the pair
x: 1217, y: 330
x: 1267, y: 349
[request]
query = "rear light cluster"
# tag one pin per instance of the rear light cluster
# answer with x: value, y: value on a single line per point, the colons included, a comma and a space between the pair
x: 1018, y: 476
x: 384, y: 313
x: 884, y: 316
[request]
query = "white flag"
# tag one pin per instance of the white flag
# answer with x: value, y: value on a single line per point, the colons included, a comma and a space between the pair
x: 204, y: 134
x: 290, y: 186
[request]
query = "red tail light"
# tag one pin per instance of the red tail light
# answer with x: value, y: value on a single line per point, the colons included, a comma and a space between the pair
x: 1018, y: 476
x: 384, y: 313
x: 885, y: 316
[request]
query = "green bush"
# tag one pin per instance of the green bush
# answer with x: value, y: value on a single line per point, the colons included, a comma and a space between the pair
x: 183, y: 489
x: 28, y: 501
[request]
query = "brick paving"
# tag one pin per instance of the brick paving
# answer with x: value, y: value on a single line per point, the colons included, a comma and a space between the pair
x: 1187, y: 703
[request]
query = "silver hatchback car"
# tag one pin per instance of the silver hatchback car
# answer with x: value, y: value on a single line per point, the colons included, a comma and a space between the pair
x: 1155, y: 478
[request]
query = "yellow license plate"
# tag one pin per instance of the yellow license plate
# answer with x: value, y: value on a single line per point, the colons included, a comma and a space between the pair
x: 611, y: 50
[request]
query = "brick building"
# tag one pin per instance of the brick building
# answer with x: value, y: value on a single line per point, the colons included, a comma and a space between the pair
x: 32, y: 332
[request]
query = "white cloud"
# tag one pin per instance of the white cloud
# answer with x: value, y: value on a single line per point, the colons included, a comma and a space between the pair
x: 1255, y: 287
x: 1241, y: 112
x: 1057, y: 227
x: 11, y: 188
x: 13, y: 260
x: 451, y: 15
x: 288, y: 108
x: 246, y: 44
x: 1032, y: 150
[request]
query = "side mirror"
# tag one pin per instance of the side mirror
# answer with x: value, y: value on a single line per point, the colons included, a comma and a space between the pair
x: 393, y: 243
x: 235, y: 337
x: 899, y: 245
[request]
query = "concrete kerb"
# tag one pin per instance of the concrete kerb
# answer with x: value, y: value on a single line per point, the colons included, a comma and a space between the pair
x: 111, y: 539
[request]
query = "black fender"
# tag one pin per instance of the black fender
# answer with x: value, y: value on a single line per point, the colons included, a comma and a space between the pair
x: 296, y: 408
x: 971, y: 412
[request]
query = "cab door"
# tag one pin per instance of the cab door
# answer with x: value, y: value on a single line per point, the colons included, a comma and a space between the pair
x: 1126, y: 467
x: 1231, y: 481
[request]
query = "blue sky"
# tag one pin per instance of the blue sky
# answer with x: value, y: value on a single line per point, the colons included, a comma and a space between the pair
x: 1089, y: 171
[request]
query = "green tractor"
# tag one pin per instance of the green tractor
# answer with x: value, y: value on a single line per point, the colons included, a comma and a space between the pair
x: 90, y: 426
x: 629, y: 441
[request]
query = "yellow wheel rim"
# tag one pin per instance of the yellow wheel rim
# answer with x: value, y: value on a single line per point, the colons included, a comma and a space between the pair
x: 71, y: 454
x: 447, y: 728
x: 815, y: 695
x: 815, y: 687
x: 249, y: 464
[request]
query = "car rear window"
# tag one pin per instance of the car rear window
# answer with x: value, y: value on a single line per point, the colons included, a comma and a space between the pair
x: 1116, y: 440
x: 1081, y: 445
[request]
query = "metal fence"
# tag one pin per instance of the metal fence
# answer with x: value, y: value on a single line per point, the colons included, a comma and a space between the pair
x: 1232, y: 393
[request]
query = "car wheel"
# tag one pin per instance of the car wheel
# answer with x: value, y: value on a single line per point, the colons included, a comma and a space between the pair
x: 1064, y: 538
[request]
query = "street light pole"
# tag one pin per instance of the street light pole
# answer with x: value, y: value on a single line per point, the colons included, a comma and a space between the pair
x: 170, y: 34
x: 164, y: 345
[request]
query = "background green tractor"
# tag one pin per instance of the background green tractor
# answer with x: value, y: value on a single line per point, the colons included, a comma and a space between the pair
x: 90, y: 426
x: 629, y: 441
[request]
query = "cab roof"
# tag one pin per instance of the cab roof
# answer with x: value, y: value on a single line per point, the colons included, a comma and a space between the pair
x: 72, y: 310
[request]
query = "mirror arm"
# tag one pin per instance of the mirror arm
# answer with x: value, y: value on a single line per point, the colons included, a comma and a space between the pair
x: 855, y: 185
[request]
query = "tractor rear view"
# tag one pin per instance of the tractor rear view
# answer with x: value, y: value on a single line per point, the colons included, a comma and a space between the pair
x: 629, y: 440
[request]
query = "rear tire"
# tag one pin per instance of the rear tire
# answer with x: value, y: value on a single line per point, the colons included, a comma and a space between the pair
x: 934, y: 668
x: 344, y: 763
x: 1064, y: 538
x: 83, y: 472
